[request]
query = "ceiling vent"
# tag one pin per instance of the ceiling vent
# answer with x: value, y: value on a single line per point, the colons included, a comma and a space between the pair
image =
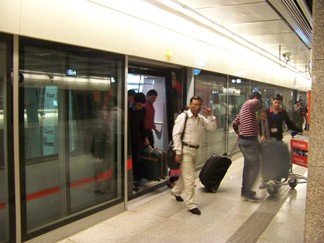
x: 297, y: 15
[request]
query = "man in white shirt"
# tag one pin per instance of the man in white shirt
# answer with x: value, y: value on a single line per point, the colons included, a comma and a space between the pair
x: 187, y: 148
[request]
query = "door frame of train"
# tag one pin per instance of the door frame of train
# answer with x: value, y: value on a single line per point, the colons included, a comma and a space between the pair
x: 165, y: 74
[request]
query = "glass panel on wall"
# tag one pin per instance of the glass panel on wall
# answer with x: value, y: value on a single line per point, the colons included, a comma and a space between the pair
x: 269, y: 91
x: 177, y: 96
x: 6, y: 185
x: 71, y: 113
x: 289, y: 100
x: 239, y: 90
x: 301, y: 110
x: 212, y: 88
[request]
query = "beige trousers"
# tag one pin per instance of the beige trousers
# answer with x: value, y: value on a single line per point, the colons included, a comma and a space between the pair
x: 186, y: 180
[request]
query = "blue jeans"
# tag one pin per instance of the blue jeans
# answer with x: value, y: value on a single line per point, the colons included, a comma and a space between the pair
x: 250, y: 149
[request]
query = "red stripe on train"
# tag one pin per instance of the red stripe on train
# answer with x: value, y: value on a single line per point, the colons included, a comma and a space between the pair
x: 2, y: 205
x: 42, y: 193
x: 104, y: 176
x: 100, y: 177
x: 82, y: 182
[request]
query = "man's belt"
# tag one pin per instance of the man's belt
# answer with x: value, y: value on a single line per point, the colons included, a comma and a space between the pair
x: 190, y: 146
x: 248, y: 137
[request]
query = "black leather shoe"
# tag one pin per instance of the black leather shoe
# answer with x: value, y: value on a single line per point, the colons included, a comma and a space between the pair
x: 249, y: 195
x: 178, y: 198
x: 195, y: 211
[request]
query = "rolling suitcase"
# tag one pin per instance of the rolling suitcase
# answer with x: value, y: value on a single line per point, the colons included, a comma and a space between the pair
x: 153, y: 164
x: 214, y: 170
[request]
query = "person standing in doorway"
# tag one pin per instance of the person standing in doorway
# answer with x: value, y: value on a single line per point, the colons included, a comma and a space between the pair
x: 138, y: 136
x: 246, y: 127
x: 130, y: 95
x: 187, y: 148
x: 151, y: 96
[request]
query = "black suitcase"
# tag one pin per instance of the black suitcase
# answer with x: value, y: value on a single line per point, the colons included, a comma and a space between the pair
x: 213, y: 171
x: 153, y: 164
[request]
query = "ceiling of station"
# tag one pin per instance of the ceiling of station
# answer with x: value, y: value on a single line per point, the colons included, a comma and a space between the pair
x: 270, y: 25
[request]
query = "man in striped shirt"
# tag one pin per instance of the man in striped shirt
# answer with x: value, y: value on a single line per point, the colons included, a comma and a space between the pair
x: 246, y: 127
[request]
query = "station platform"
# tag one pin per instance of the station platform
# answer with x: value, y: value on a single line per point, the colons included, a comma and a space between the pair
x: 226, y: 216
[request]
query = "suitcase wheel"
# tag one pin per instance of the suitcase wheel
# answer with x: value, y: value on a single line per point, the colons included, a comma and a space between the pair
x: 213, y: 189
x: 292, y: 183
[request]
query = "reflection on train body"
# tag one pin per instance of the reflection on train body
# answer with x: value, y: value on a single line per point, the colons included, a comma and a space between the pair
x: 60, y: 118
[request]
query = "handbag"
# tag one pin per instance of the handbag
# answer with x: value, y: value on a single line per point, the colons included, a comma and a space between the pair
x: 170, y: 155
x: 175, y: 172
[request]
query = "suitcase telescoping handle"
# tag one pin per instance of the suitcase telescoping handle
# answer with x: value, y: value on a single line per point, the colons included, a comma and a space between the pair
x: 232, y: 151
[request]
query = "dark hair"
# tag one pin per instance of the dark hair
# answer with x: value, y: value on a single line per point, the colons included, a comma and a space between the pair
x: 196, y: 97
x: 298, y: 101
x: 278, y: 97
x: 256, y: 94
x: 131, y: 92
x: 152, y: 92
x: 140, y: 98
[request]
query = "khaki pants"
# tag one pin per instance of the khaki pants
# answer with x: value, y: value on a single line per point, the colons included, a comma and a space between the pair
x: 186, y: 180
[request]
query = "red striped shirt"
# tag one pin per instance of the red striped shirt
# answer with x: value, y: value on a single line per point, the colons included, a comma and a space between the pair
x: 246, y: 120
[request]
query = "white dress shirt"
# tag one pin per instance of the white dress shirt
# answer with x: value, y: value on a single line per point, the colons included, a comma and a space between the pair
x: 195, y: 128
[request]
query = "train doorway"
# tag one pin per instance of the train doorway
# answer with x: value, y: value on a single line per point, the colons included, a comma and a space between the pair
x: 142, y: 78
x: 144, y: 83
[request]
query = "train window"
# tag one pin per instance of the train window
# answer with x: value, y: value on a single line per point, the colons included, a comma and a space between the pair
x: 71, y: 114
x: 212, y: 87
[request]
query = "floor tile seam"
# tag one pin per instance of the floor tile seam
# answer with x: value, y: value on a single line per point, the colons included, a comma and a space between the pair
x: 240, y: 239
x: 249, y: 223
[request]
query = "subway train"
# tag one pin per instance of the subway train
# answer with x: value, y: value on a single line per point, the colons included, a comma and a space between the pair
x: 64, y: 91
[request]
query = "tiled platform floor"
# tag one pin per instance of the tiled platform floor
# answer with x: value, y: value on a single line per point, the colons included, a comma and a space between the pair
x: 226, y: 216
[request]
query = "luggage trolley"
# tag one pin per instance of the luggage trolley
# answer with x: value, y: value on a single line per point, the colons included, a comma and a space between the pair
x: 278, y: 162
x: 299, y: 156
